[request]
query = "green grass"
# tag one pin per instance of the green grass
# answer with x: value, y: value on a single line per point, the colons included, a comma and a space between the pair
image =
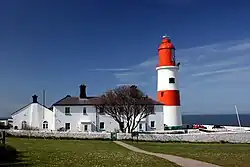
x: 87, y: 153
x: 229, y: 155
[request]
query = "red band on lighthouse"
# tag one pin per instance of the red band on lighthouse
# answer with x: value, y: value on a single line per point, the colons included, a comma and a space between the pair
x: 169, y: 97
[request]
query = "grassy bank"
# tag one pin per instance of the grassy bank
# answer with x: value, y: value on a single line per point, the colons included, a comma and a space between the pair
x: 88, y: 153
x: 229, y: 155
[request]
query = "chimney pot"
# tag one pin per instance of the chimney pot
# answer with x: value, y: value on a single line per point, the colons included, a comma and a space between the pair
x: 34, y: 97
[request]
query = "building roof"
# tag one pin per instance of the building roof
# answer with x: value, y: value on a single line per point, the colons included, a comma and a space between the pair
x: 76, y: 101
x: 27, y: 106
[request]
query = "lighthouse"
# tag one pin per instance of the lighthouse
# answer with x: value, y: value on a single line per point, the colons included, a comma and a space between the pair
x: 167, y: 84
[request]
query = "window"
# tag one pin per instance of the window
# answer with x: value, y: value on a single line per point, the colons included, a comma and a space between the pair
x: 152, y: 124
x: 140, y: 126
x: 171, y: 80
x: 67, y: 126
x: 85, y: 127
x: 67, y: 110
x: 101, y: 110
x: 84, y: 111
x: 162, y: 94
x: 101, y: 125
x: 24, y: 125
x: 45, y: 125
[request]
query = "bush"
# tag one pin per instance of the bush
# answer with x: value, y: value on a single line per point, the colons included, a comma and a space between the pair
x: 8, y: 153
x: 62, y: 129
x: 3, y: 126
x: 27, y: 127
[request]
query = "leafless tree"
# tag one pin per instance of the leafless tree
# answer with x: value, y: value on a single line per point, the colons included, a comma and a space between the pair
x: 127, y: 105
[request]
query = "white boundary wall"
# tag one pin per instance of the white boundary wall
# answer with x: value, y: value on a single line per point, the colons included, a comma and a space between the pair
x: 233, y: 137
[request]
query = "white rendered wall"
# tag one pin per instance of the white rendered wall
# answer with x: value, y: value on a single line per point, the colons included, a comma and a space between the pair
x: 76, y: 117
x: 158, y: 117
x: 164, y: 73
x: 45, y: 115
x: 110, y: 124
x: 172, y: 116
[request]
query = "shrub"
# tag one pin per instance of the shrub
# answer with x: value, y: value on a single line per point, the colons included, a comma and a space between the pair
x: 62, y: 129
x: 30, y: 128
x: 8, y: 153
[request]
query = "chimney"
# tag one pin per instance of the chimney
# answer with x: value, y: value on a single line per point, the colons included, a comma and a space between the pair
x: 83, y: 91
x: 34, y: 97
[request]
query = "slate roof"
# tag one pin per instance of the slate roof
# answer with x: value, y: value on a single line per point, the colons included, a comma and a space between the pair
x: 71, y: 101
x: 27, y: 106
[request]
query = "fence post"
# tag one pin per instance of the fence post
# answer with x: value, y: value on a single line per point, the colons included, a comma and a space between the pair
x: 113, y: 136
x: 2, y: 137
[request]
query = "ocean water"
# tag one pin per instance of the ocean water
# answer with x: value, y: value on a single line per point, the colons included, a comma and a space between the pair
x: 229, y: 119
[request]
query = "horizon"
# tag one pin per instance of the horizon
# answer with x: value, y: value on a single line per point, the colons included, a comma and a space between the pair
x: 57, y: 45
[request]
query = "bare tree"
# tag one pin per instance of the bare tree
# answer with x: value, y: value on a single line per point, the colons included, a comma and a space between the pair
x: 127, y: 105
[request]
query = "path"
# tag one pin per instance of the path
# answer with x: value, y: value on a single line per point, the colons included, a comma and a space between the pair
x: 185, y: 162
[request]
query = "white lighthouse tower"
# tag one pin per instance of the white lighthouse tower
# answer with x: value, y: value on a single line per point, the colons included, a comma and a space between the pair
x: 167, y: 84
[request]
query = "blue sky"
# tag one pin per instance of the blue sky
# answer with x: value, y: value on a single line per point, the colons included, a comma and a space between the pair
x: 56, y: 45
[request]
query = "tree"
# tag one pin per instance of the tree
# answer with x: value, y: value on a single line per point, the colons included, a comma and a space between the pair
x: 127, y: 105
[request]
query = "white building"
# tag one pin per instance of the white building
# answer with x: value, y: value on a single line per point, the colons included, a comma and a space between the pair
x: 34, y: 115
x: 6, y: 121
x: 79, y: 114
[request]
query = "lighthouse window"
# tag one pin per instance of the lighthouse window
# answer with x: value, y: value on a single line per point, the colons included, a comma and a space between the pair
x: 171, y: 80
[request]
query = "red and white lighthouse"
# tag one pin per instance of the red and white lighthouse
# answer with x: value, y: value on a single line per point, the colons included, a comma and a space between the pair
x: 167, y: 84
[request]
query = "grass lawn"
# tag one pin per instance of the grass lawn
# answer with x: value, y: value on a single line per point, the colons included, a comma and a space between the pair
x: 85, y: 153
x: 229, y: 155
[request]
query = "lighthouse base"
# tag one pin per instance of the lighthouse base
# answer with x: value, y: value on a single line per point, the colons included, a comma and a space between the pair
x: 172, y: 117
x: 172, y: 127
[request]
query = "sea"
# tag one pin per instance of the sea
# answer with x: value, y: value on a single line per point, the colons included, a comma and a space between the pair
x: 228, y: 119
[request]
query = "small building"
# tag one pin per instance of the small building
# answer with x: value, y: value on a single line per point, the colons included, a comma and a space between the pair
x: 79, y: 114
x: 33, y: 116
x: 6, y: 121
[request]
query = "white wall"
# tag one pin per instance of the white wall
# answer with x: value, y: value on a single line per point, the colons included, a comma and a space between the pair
x: 163, y: 75
x: 234, y: 137
x: 76, y: 117
x: 109, y: 123
x: 22, y: 115
x: 34, y: 114
x: 158, y: 117
x: 45, y: 115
